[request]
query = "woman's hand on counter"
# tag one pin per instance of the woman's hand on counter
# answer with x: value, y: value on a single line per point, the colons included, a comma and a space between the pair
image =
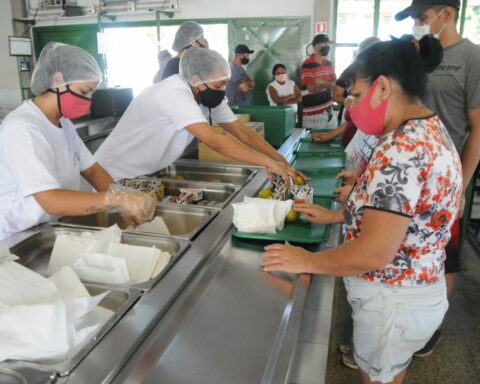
x: 349, y: 177
x: 318, y: 215
x: 343, y: 192
x: 280, y: 257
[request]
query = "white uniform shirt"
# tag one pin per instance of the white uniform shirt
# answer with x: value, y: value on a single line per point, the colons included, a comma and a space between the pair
x: 151, y: 134
x: 283, y: 90
x: 35, y: 156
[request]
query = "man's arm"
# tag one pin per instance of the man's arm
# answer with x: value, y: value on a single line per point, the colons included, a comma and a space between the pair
x: 471, y: 152
x: 250, y: 138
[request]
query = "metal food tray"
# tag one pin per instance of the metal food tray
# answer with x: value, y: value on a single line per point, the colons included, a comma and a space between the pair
x: 208, y: 172
x: 35, y: 251
x: 297, y: 231
x: 307, y: 160
x: 119, y: 300
x: 183, y: 221
x: 222, y: 193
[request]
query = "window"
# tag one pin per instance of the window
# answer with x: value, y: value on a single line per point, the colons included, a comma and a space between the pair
x: 132, y: 52
x: 131, y: 57
x: 471, y: 27
x: 387, y: 25
x: 356, y: 20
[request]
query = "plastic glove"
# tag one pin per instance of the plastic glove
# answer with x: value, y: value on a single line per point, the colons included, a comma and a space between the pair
x: 129, y: 202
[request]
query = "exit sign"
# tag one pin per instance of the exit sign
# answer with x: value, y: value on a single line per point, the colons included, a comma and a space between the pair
x: 321, y: 27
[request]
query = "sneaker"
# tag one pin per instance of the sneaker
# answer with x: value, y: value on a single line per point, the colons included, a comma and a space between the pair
x: 345, y: 347
x: 349, y: 361
x: 430, y: 346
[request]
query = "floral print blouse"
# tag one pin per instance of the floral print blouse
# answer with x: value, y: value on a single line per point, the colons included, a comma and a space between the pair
x: 413, y: 171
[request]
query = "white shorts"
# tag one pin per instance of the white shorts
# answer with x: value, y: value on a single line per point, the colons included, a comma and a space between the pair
x: 320, y: 121
x: 390, y: 324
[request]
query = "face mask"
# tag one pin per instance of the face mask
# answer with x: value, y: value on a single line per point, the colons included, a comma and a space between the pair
x: 324, y: 51
x: 422, y: 30
x: 281, y: 78
x: 211, y: 97
x: 71, y: 104
x: 245, y: 60
x: 368, y: 120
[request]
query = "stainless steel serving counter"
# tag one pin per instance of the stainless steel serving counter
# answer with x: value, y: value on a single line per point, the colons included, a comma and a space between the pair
x: 215, y: 317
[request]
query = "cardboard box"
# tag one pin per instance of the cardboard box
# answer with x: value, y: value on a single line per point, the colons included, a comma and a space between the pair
x: 205, y: 153
x: 243, y: 117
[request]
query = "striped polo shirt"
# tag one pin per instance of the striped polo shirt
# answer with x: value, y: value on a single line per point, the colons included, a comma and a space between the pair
x: 315, y: 103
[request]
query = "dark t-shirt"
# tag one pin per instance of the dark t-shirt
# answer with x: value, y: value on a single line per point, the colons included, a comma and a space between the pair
x: 235, y: 96
x: 172, y: 68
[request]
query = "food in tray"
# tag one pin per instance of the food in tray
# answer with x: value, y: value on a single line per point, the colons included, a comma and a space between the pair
x: 152, y: 186
x: 300, y: 192
x: 265, y: 193
x: 196, y: 193
x: 185, y: 198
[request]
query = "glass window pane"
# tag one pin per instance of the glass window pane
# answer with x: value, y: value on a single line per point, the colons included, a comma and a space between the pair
x: 131, y: 57
x: 387, y: 25
x: 472, y: 21
x: 343, y: 58
x: 354, y: 20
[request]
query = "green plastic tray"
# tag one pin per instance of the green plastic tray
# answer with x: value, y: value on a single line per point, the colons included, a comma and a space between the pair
x: 296, y: 232
x: 308, y: 160
x: 323, y: 181
x: 330, y: 148
x: 311, y: 131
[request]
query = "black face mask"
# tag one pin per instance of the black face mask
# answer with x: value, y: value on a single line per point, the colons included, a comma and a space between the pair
x: 244, y: 60
x: 211, y: 97
x: 324, y: 51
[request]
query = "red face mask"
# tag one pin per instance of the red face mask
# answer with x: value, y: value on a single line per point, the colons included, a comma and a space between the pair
x: 368, y: 120
x: 71, y: 104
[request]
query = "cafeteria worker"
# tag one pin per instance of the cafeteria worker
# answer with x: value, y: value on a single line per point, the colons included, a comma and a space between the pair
x: 161, y: 121
x: 42, y: 156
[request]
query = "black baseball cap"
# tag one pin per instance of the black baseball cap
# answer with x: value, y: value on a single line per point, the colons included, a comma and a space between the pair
x: 321, y: 38
x: 242, y: 48
x: 419, y: 6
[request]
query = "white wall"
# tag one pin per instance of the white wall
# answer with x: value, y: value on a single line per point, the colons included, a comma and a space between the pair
x: 209, y: 9
x: 9, y: 85
x: 188, y: 9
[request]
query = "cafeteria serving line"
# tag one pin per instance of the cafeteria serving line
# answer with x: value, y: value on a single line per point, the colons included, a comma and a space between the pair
x: 163, y: 232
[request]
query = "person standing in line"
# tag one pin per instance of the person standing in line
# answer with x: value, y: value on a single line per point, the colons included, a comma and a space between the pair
x: 453, y: 92
x: 239, y: 87
x: 282, y: 90
x: 318, y: 81
x: 163, y: 58
x: 190, y: 34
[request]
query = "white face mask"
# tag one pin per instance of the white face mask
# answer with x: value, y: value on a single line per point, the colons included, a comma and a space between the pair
x: 422, y: 30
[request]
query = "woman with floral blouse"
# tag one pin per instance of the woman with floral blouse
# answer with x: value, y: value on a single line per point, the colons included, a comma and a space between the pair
x: 398, y: 215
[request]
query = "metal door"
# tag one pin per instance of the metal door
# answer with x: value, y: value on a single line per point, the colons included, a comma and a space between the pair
x: 275, y: 40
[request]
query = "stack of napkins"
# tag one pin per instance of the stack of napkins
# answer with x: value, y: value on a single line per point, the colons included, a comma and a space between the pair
x: 45, y: 319
x: 99, y: 257
x: 262, y: 216
x: 157, y: 226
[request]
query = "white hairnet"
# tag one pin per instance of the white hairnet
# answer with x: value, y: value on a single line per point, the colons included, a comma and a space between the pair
x: 186, y: 35
x: 367, y: 43
x: 75, y: 64
x: 205, y: 64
